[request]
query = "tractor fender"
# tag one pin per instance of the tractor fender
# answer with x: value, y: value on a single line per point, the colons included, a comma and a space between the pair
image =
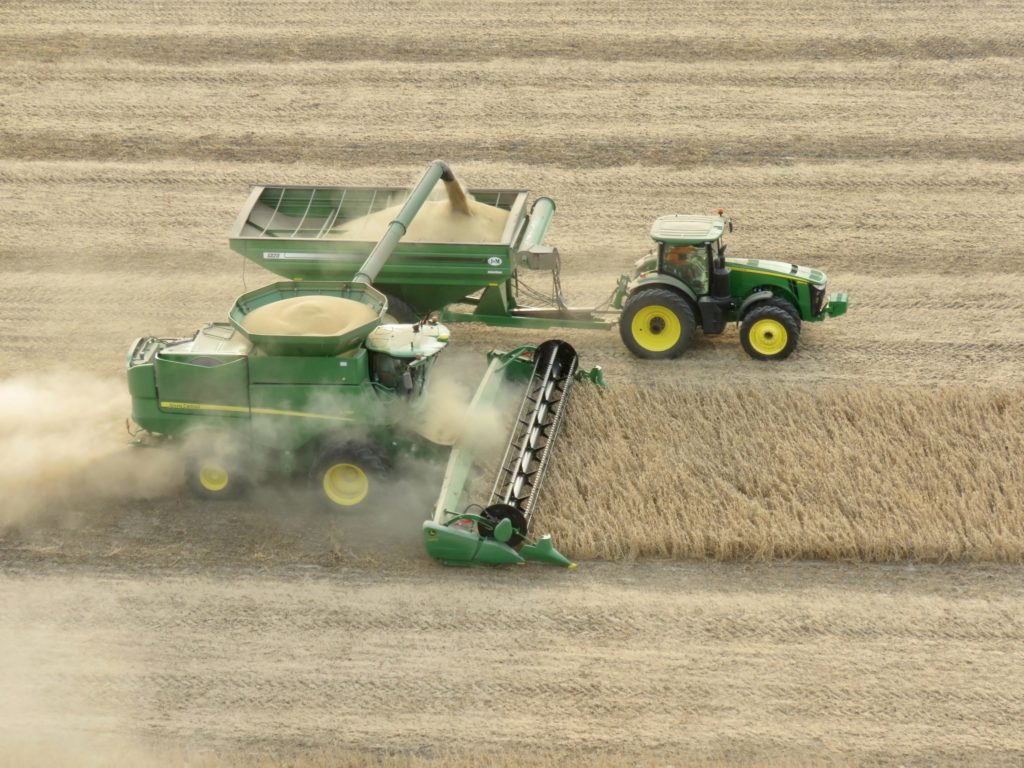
x: 655, y: 279
x: 753, y: 298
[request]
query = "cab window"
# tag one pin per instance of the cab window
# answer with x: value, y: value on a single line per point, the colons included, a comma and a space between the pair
x: 688, y: 263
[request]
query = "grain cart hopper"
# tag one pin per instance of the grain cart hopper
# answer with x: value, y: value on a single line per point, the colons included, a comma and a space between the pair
x: 313, y: 233
x: 244, y: 399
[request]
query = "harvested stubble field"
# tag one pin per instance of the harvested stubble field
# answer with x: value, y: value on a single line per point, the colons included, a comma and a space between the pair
x: 881, y: 142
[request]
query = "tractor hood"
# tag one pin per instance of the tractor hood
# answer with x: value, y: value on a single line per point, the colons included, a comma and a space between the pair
x: 778, y: 269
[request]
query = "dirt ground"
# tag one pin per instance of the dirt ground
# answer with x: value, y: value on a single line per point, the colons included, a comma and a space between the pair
x: 880, y: 142
x: 668, y: 662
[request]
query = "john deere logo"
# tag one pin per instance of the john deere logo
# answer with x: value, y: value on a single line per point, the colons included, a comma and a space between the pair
x: 494, y: 261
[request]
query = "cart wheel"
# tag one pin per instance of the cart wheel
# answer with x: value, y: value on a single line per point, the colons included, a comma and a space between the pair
x: 769, y: 333
x: 657, y: 323
x: 498, y: 512
x: 214, y: 468
x: 399, y: 311
x: 348, y: 478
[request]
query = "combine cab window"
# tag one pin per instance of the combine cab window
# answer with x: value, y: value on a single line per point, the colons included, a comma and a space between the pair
x: 689, y: 263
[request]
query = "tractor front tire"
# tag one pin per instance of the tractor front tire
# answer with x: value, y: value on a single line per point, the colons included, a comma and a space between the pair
x: 348, y: 478
x: 657, y: 323
x: 769, y: 332
x: 781, y: 303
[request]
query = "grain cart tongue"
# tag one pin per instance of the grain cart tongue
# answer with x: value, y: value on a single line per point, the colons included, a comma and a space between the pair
x: 464, y: 533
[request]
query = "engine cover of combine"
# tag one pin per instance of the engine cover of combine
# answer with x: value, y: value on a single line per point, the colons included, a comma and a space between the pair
x: 218, y: 381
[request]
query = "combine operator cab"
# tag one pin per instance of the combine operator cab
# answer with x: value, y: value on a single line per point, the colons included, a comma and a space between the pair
x: 401, y: 355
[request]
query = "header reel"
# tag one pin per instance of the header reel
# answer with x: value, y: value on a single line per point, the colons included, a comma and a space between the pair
x: 499, y: 533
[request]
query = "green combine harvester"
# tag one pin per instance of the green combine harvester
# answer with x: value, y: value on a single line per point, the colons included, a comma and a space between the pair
x: 300, y: 232
x: 242, y: 401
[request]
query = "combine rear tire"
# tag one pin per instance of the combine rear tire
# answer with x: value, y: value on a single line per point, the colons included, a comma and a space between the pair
x: 348, y: 478
x: 769, y: 332
x: 214, y: 469
x: 657, y: 323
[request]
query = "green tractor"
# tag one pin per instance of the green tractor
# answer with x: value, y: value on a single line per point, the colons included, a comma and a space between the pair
x: 688, y: 282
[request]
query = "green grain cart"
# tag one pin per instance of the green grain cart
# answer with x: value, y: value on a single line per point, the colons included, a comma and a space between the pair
x: 337, y: 407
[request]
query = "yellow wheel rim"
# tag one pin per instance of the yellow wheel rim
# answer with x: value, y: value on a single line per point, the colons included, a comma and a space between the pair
x: 213, y: 477
x: 768, y: 337
x: 346, y: 484
x: 656, y: 328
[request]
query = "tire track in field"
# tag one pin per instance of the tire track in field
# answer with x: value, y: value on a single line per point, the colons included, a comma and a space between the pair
x: 612, y: 46
x: 686, y: 152
x: 674, y: 661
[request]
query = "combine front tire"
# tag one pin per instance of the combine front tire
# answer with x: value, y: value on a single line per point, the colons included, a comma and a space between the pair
x: 769, y: 332
x: 657, y: 323
x: 348, y: 478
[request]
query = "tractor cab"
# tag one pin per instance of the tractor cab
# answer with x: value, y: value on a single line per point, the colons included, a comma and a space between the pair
x: 690, y: 249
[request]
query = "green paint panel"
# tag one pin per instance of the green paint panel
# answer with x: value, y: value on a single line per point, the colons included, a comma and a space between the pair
x: 226, y: 384
x: 350, y: 368
x: 287, y: 416
x: 141, y: 382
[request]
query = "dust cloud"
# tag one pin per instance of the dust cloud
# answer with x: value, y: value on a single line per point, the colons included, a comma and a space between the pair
x: 63, y: 442
x: 442, y: 413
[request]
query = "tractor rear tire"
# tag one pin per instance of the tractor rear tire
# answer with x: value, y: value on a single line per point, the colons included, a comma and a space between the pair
x: 769, y: 332
x: 657, y: 323
x: 399, y: 311
x: 214, y: 468
x: 349, y: 478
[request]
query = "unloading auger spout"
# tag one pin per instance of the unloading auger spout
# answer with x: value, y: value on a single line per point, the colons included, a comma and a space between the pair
x: 368, y: 272
x: 499, y: 533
